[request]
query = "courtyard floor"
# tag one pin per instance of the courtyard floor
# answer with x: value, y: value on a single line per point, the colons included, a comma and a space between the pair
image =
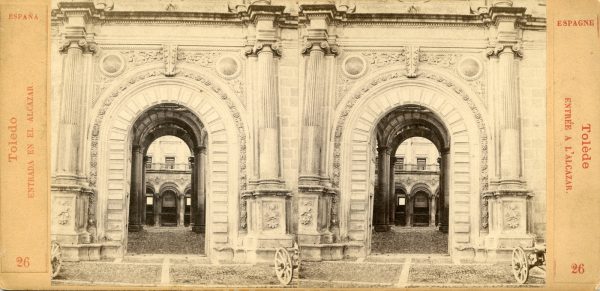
x: 389, y: 270
x: 398, y: 259
x: 410, y: 240
x: 165, y: 240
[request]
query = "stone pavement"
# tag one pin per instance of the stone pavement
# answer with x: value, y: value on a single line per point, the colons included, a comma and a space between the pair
x: 165, y: 240
x: 389, y: 270
x: 395, y: 262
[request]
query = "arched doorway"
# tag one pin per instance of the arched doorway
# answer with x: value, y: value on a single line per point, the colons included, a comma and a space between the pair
x: 423, y: 137
x: 150, y: 194
x: 167, y: 140
x: 168, y: 213
x: 420, y: 205
x: 452, y: 108
x: 224, y: 120
x: 400, y: 215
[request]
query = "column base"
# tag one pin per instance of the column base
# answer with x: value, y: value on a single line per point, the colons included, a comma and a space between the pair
x: 90, y: 252
x: 135, y: 228
x: 322, y: 252
x: 382, y: 227
x: 443, y: 228
x: 499, y: 247
x: 261, y: 249
x: 318, y: 238
x: 199, y: 228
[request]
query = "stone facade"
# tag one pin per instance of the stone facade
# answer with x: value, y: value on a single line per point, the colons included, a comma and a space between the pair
x: 289, y: 107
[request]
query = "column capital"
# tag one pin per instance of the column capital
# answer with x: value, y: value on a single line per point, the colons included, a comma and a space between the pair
x: 81, y: 44
x: 199, y: 150
x: 261, y: 47
x: 502, y: 48
x: 383, y: 150
x: 136, y: 148
x: 320, y: 45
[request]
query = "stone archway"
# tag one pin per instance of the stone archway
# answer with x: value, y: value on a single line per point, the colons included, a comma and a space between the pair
x: 458, y: 112
x: 112, y: 140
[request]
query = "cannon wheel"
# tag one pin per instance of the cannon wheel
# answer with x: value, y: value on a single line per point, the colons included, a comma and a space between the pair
x: 56, y: 259
x: 520, y: 266
x: 283, y: 266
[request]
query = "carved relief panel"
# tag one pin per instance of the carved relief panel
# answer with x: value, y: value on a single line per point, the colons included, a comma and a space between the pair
x: 514, y: 218
x: 273, y: 216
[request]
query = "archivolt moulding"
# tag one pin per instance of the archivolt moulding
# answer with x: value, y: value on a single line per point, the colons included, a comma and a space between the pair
x: 436, y: 79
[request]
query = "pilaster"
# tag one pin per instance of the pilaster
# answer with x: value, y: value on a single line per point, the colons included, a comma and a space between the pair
x: 267, y: 202
x: 508, y: 196
x: 71, y: 196
x: 315, y: 194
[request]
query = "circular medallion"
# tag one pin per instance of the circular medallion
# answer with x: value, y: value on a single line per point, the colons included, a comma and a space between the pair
x: 354, y: 66
x: 228, y: 67
x: 470, y: 68
x: 112, y: 64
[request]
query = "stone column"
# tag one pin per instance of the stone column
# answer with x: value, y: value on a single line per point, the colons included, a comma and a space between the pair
x: 143, y: 189
x: 381, y: 201
x: 445, y: 190
x: 508, y: 196
x: 181, y: 210
x: 409, y: 209
x: 198, y: 180
x: 135, y: 193
x: 157, y: 208
x: 393, y: 200
x: 194, y: 191
x: 432, y: 211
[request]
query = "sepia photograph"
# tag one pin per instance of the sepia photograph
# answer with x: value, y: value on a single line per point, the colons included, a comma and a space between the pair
x: 298, y: 143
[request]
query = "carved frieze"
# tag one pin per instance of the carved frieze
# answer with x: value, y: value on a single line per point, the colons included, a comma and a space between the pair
x: 200, y: 58
x: 380, y: 59
x: 170, y: 59
x: 243, y: 214
x: 445, y: 60
x: 484, y: 213
x: 334, y: 211
x: 139, y: 57
x: 412, y: 61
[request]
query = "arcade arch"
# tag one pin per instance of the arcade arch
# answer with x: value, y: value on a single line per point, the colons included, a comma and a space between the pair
x: 113, y: 141
x: 434, y: 108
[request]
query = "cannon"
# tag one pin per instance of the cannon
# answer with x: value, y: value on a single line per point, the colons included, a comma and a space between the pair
x: 523, y: 261
x: 55, y: 258
x: 287, y: 265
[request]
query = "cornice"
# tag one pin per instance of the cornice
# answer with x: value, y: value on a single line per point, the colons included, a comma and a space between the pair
x: 286, y: 20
